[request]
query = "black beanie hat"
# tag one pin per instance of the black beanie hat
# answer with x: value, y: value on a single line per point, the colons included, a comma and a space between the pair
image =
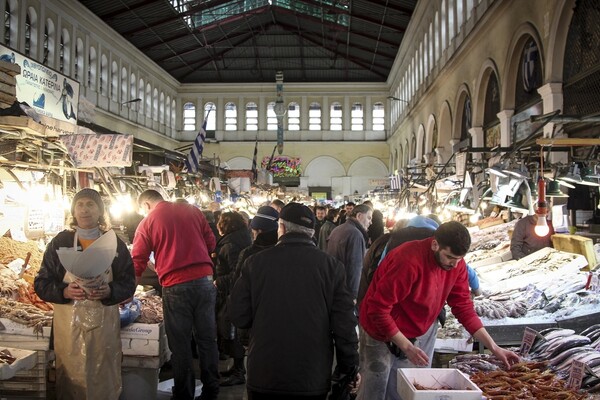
x: 88, y: 194
x: 265, y: 219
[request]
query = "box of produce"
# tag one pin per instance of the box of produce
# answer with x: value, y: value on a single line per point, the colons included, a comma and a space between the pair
x: 436, y: 384
x: 14, y: 360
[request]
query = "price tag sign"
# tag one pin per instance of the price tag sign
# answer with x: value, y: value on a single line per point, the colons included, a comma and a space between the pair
x: 576, y: 375
x: 529, y: 336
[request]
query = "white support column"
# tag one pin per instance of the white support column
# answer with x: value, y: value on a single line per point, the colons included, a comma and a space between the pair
x: 477, y: 141
x: 325, y: 121
x: 505, y: 127
x: 552, y: 100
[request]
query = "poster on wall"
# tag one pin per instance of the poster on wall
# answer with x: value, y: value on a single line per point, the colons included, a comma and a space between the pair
x: 52, y: 95
x: 95, y: 150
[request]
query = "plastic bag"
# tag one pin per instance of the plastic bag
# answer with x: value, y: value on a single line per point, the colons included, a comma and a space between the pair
x: 129, y: 312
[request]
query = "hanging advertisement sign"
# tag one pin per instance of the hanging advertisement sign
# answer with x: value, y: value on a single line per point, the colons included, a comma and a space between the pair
x: 99, y: 150
x: 52, y: 95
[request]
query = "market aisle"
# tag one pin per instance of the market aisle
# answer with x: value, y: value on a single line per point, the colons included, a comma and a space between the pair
x: 226, y: 393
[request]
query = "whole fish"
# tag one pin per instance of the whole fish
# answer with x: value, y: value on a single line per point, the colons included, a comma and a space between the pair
x: 567, y: 353
x: 565, y: 344
x: 590, y: 329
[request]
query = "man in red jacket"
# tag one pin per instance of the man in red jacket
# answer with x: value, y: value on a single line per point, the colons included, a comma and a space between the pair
x: 400, y: 309
x: 182, y: 242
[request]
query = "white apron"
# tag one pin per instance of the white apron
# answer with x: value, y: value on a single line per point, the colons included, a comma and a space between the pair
x: 87, y: 345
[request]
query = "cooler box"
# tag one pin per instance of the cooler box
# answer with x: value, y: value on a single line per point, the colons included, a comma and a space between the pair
x: 436, y: 378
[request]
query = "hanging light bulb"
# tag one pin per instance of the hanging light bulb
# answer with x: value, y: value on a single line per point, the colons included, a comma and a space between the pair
x: 541, y: 228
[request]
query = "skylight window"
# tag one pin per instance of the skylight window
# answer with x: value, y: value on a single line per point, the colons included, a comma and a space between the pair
x: 206, y: 14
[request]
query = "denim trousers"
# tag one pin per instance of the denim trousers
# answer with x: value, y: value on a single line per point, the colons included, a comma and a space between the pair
x: 190, y: 307
x: 379, y: 366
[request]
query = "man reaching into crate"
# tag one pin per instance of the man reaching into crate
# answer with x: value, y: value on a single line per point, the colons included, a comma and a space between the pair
x: 403, y: 301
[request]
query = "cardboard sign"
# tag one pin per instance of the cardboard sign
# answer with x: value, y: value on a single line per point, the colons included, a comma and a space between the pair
x: 576, y: 375
x: 529, y: 336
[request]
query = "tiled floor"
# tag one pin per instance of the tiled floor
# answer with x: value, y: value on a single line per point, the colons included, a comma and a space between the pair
x: 226, y: 393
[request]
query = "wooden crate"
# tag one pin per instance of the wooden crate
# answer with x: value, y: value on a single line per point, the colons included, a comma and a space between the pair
x: 28, y: 384
x: 576, y: 244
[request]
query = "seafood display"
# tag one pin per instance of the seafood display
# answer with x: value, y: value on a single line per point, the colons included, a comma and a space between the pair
x: 494, y: 309
x: 151, y: 310
x: 6, y: 357
x: 25, y: 314
x: 489, y: 238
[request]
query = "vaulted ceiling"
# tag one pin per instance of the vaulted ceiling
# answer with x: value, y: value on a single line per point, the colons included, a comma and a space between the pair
x: 247, y: 41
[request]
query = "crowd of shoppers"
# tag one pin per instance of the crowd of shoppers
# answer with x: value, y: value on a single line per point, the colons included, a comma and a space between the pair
x: 281, y: 290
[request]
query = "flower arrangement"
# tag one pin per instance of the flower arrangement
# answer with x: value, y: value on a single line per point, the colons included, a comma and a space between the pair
x: 283, y: 166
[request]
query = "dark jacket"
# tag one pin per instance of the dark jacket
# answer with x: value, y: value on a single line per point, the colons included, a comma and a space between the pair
x: 524, y: 240
x: 324, y: 233
x: 49, y: 283
x: 263, y: 241
x: 348, y: 243
x: 376, y: 228
x: 294, y: 297
x: 228, y: 251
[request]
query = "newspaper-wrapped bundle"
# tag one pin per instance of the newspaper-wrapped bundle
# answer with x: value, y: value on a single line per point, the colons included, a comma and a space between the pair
x: 90, y: 268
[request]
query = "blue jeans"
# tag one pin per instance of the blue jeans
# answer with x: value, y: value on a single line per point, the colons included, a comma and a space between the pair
x: 188, y: 307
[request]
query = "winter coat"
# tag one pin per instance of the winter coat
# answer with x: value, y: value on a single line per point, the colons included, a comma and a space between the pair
x: 324, y: 233
x: 49, y: 283
x: 227, y: 252
x: 294, y: 298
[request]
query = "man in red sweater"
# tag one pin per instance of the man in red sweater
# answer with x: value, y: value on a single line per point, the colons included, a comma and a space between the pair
x: 182, y: 242
x: 400, y: 309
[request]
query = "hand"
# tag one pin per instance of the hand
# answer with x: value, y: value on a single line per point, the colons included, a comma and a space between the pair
x: 101, y: 293
x: 74, y: 292
x: 355, y: 384
x: 507, y: 357
x: 416, y: 356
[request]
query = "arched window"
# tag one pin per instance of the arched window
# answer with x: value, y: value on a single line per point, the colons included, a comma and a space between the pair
x: 92, y: 68
x: 335, y: 117
x: 271, y: 117
x: 161, y: 108
x: 451, y: 20
x: 460, y: 18
x: 293, y: 117
x: 79, y: 59
x: 141, y: 96
x: 114, y: 81
x: 491, y: 122
x: 103, y: 75
x: 431, y: 46
x: 168, y: 112
x: 251, y: 117
x: 132, y: 88
x: 27, y: 49
x: 413, y: 147
x: 155, y: 104
x: 357, y: 117
x: 378, y: 117
x: 210, y: 116
x: 469, y: 7
x: 436, y: 39
x: 64, y: 56
x: 230, y: 117
x: 466, y: 119
x: 148, y: 100
x: 49, y: 46
x: 124, y: 87
x: 444, y: 25
x: 424, y: 54
x: 314, y: 117
x: 10, y: 23
x: 173, y: 114
x: 189, y: 117
x: 529, y: 76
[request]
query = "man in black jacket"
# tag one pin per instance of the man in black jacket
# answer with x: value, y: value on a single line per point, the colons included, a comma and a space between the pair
x: 294, y: 297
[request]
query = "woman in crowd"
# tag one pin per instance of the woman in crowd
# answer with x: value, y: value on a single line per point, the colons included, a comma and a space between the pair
x: 87, y: 341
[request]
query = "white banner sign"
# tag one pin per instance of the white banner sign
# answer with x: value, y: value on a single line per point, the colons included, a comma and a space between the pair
x: 100, y: 150
x: 52, y: 95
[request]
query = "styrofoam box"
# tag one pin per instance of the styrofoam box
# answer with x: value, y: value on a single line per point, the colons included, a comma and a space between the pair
x: 25, y: 359
x: 143, y: 331
x: 464, y: 389
x: 460, y: 344
x: 14, y: 328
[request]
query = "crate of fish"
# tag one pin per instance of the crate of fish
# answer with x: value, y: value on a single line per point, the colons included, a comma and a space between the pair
x: 436, y: 384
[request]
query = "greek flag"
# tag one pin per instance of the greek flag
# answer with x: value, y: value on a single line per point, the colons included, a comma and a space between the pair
x: 395, y: 182
x: 195, y: 155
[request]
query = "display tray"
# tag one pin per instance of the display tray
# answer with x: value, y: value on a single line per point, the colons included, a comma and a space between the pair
x: 512, y: 334
x: 579, y: 323
x: 25, y: 359
x: 436, y: 378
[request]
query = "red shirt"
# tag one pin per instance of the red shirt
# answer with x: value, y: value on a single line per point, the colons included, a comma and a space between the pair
x: 181, y: 240
x: 408, y: 291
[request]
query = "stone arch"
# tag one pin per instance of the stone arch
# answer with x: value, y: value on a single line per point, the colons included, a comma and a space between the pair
x: 478, y: 100
x: 420, y: 143
x: 445, y: 130
x: 362, y: 170
x: 429, y: 133
x: 320, y: 170
x: 521, y: 35
x: 462, y: 94
x: 239, y: 163
x: 557, y: 42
